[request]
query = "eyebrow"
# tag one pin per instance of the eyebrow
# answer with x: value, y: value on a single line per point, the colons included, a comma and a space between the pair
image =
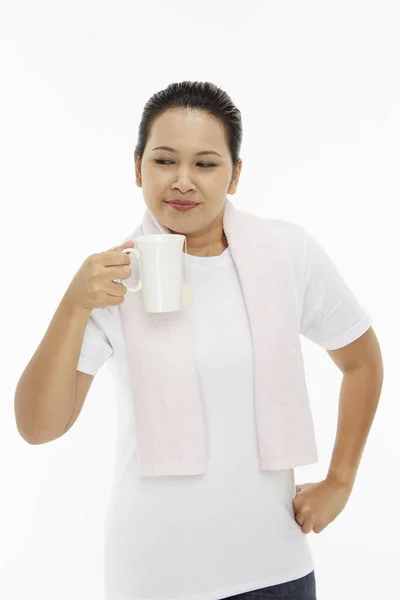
x: 197, y: 153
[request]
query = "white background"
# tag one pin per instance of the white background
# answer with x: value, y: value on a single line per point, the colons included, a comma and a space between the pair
x: 318, y: 87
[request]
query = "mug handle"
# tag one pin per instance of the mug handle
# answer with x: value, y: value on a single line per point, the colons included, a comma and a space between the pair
x: 139, y: 284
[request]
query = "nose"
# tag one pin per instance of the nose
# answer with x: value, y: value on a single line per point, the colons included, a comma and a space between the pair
x: 183, y: 181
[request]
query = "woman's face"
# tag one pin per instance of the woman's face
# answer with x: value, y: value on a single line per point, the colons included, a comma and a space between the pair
x: 166, y: 175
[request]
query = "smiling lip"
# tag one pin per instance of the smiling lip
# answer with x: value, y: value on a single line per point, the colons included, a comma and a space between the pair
x: 182, y: 205
x: 182, y: 202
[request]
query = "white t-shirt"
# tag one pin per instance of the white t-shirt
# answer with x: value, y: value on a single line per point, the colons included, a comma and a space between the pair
x: 232, y: 529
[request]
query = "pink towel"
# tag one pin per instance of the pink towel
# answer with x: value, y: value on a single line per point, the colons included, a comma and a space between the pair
x: 169, y: 417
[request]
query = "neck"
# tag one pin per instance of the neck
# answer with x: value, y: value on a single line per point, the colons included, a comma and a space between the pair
x: 210, y: 249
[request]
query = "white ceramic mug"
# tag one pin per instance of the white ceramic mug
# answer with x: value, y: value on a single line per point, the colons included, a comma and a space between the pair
x: 161, y: 277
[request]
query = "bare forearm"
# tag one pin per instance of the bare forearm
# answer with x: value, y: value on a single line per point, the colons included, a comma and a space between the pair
x: 45, y: 392
x: 359, y: 397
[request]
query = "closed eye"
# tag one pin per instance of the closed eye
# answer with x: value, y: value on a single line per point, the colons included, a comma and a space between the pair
x: 160, y: 161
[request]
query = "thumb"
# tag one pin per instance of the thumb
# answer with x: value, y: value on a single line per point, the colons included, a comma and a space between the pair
x: 127, y: 244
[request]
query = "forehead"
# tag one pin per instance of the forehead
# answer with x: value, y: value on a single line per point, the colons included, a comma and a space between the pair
x: 183, y: 129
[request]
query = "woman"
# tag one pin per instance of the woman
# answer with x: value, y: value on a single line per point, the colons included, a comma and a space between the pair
x: 231, y: 531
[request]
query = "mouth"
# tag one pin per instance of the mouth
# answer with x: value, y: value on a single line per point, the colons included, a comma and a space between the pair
x: 182, y: 204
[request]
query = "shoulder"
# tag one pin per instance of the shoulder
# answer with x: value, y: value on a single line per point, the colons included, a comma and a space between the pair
x: 292, y: 235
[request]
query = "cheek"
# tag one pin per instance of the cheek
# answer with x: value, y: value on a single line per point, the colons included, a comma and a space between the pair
x: 157, y: 179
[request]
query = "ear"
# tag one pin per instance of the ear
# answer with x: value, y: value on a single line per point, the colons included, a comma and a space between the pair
x: 138, y: 168
x: 235, y: 178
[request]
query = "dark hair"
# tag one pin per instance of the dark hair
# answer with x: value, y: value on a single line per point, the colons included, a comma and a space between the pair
x: 194, y: 95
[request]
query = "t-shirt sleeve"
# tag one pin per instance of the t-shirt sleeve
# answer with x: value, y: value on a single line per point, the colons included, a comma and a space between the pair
x: 332, y: 316
x: 96, y: 348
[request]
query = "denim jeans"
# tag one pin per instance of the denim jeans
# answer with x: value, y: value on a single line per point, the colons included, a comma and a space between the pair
x: 298, y: 589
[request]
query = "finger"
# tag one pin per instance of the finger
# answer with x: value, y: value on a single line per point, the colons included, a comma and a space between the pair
x: 115, y: 256
x: 307, y: 526
x: 318, y: 529
x: 126, y: 244
x: 300, y: 519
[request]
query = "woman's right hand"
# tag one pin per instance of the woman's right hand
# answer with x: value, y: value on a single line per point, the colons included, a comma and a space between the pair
x: 92, y: 285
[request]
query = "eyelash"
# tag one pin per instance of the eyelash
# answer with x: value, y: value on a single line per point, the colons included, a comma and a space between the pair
x: 161, y: 161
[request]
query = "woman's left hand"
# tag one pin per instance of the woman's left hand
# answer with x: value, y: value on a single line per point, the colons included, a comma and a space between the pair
x: 318, y: 504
